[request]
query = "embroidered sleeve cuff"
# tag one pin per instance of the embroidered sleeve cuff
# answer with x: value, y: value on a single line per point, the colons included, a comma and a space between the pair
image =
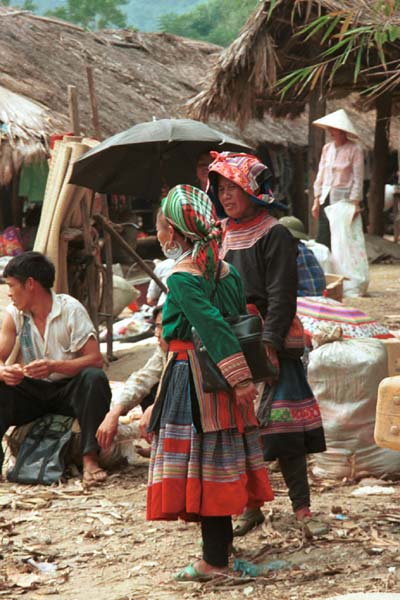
x: 235, y: 369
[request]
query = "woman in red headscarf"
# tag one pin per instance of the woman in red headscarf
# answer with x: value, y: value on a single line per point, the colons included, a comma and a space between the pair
x: 264, y: 253
x: 206, y: 460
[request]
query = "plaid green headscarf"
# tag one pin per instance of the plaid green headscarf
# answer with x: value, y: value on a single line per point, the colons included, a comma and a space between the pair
x: 191, y: 212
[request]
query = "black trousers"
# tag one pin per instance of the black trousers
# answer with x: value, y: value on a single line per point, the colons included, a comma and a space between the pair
x: 294, y: 471
x: 217, y: 536
x: 86, y: 396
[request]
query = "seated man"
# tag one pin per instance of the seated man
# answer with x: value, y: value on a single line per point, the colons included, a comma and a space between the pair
x: 310, y: 276
x: 139, y: 388
x: 62, y: 365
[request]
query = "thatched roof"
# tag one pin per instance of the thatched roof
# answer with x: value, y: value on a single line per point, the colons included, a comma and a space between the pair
x: 137, y: 76
x: 242, y: 83
x: 23, y: 130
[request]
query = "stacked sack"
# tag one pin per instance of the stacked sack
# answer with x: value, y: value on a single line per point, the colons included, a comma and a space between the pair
x: 344, y: 376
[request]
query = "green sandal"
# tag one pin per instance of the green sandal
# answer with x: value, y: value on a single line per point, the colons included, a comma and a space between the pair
x: 190, y: 573
x: 247, y: 521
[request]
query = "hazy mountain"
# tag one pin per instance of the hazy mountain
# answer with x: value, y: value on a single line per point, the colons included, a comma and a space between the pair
x: 143, y: 14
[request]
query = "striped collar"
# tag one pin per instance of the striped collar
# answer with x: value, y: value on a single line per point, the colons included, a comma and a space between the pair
x: 238, y: 236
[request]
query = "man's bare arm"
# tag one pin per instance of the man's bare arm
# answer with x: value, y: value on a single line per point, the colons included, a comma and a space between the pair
x: 13, y: 374
x: 90, y: 356
x: 8, y: 336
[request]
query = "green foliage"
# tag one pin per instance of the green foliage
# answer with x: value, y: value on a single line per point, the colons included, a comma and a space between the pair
x: 29, y: 5
x: 146, y: 15
x: 92, y: 14
x: 217, y: 21
x: 343, y: 42
x: 26, y: 5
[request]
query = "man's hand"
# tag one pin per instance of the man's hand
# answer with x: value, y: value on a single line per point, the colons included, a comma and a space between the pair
x: 12, y: 375
x: 107, y: 430
x: 316, y: 208
x: 39, y: 369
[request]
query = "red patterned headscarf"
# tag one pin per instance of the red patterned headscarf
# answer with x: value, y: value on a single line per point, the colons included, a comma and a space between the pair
x: 191, y: 212
x: 246, y: 171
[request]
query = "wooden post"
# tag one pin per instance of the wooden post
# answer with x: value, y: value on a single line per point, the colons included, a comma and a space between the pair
x: 376, y: 195
x: 73, y: 110
x: 297, y: 191
x: 93, y: 102
x: 108, y: 283
x: 91, y: 271
x: 316, y: 140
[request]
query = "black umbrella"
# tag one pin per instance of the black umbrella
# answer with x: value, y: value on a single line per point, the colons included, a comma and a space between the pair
x: 136, y: 161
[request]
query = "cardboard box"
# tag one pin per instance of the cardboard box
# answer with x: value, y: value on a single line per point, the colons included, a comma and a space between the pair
x: 393, y: 354
x: 334, y: 286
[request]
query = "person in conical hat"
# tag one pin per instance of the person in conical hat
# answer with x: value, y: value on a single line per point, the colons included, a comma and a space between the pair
x: 340, y: 179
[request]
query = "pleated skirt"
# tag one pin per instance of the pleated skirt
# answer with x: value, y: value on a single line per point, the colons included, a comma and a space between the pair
x: 290, y: 418
x: 194, y: 473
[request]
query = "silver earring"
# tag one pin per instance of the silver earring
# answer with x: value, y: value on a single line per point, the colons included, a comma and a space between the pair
x: 172, y: 249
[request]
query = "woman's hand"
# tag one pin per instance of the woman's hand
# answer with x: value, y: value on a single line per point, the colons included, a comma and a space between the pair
x: 315, y: 208
x: 272, y: 355
x: 357, y: 211
x: 144, y: 423
x: 245, y: 393
x: 273, y: 358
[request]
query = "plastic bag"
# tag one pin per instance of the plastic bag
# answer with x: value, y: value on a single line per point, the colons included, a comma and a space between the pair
x: 345, y: 376
x: 349, y: 255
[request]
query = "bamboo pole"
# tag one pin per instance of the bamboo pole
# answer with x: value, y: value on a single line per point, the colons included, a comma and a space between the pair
x: 108, y: 226
x: 74, y: 109
x: 93, y: 102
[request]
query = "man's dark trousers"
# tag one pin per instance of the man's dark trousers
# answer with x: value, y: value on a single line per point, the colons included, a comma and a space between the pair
x: 85, y: 396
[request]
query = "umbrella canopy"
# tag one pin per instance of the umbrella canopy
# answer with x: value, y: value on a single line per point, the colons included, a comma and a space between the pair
x: 137, y: 161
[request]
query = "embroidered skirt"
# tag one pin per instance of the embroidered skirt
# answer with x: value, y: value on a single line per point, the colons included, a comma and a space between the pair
x: 290, y: 418
x: 194, y: 474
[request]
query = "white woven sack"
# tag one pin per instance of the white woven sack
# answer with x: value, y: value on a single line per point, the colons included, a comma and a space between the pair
x: 345, y: 376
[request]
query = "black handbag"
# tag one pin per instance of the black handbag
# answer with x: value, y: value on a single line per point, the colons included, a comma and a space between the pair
x: 248, y: 329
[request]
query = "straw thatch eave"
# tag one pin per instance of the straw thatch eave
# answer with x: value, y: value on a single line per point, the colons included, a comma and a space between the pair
x: 242, y: 83
x: 24, y: 129
x: 137, y: 77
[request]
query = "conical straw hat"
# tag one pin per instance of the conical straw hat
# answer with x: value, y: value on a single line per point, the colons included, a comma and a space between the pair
x: 338, y: 120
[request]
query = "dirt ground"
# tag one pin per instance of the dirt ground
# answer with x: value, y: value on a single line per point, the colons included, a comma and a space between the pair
x: 96, y: 544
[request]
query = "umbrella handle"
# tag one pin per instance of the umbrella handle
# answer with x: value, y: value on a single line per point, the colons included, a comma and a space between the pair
x: 108, y: 226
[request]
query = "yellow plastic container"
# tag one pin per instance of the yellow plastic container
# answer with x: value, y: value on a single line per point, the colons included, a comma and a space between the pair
x: 393, y: 353
x: 387, y: 424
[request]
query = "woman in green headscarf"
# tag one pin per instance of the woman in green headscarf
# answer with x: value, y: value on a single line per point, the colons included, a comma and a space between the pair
x: 206, y: 462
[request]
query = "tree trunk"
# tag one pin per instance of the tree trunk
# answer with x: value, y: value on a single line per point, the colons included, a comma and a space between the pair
x: 376, y: 196
x: 316, y: 140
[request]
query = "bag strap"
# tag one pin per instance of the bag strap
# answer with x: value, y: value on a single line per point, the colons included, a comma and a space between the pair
x: 216, y: 281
